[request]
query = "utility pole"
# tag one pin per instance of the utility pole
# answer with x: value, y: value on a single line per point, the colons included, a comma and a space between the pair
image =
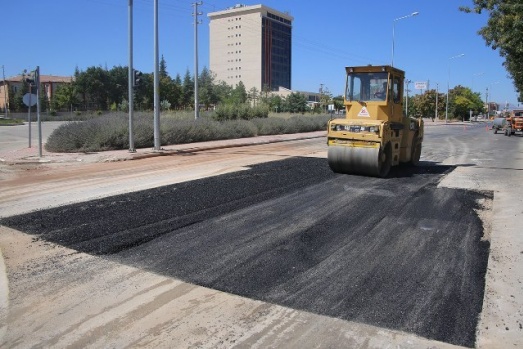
x: 407, y: 97
x: 5, y: 93
x: 196, y: 22
x: 131, y: 79
x: 488, y: 105
x: 37, y: 82
x: 321, y: 94
x: 157, y: 143
x: 437, y: 97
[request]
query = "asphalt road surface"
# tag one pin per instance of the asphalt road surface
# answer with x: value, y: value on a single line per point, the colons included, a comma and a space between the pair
x: 402, y: 253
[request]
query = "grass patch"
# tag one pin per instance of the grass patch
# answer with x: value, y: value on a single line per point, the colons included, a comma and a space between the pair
x: 110, y: 131
x: 11, y: 122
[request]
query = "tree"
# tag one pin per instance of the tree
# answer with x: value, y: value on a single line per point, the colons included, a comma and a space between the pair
x: 239, y: 94
x: 144, y: 93
x: 176, y: 93
x: 206, y: 92
x: 275, y: 103
x: 424, y: 105
x: 253, y: 95
x: 295, y: 103
x: 338, y: 102
x: 17, y: 104
x: 325, y: 98
x: 162, y: 71
x: 117, y: 84
x: 65, y: 97
x: 93, y: 85
x: 186, y: 98
x: 462, y: 100
x: 504, y: 31
x: 266, y: 91
x: 223, y: 92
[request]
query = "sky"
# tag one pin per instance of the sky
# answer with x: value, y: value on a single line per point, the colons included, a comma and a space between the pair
x: 60, y: 35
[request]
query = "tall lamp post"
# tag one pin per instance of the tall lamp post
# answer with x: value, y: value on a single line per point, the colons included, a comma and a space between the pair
x: 448, y: 87
x: 393, y: 25
x: 157, y: 142
x: 130, y: 75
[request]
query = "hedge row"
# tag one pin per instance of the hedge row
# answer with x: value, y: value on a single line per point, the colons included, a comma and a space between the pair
x: 110, y: 132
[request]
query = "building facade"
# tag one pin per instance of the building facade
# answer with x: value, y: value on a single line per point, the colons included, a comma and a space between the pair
x: 48, y: 83
x: 251, y: 44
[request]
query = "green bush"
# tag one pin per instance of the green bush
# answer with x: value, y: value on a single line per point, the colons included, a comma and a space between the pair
x: 240, y: 111
x: 110, y: 131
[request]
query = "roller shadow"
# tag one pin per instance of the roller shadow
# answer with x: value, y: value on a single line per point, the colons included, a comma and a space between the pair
x: 423, y: 168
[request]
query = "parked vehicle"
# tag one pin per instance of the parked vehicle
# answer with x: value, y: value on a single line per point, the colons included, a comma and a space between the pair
x: 514, y: 124
x: 499, y: 124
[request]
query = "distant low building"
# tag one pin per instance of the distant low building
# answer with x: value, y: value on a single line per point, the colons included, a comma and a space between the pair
x: 313, y: 98
x: 48, y: 83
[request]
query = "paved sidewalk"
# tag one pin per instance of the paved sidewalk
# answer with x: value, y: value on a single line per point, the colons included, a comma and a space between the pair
x: 30, y: 155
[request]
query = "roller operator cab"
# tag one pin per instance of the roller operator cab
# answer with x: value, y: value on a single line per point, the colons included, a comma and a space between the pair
x: 374, y: 135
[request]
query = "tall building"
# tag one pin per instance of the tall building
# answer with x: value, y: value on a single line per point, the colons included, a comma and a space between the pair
x: 251, y: 44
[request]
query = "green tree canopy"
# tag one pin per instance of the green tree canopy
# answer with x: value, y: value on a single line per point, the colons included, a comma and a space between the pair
x: 239, y: 93
x: 206, y: 91
x: 65, y: 97
x: 187, y: 95
x: 338, y: 102
x: 295, y: 103
x: 504, y: 31
x: 162, y: 70
x: 93, y: 85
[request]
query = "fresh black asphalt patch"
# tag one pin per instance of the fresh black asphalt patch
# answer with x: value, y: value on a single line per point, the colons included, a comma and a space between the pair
x: 398, y: 253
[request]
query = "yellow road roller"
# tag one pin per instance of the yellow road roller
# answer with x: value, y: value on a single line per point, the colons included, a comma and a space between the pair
x: 375, y: 134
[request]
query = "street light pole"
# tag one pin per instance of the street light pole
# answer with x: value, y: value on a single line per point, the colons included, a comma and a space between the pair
x: 448, y: 88
x: 437, y: 97
x: 130, y: 74
x: 393, y: 25
x: 5, y: 94
x: 157, y: 142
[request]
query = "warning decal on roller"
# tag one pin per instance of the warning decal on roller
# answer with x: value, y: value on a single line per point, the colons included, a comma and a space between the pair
x: 364, y: 112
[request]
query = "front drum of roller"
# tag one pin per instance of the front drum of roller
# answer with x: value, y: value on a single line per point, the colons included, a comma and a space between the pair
x: 360, y: 160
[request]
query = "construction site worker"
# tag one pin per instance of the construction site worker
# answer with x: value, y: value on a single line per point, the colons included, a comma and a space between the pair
x: 382, y: 94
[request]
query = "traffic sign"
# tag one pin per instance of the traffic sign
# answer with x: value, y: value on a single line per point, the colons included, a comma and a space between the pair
x: 29, y: 98
x: 420, y: 85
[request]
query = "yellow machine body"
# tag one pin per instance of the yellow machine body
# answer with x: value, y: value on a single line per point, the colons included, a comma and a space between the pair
x: 375, y: 134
